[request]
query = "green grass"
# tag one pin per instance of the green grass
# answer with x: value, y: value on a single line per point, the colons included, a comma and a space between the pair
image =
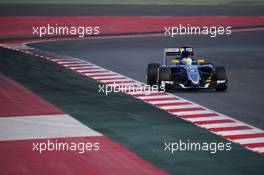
x: 156, y: 2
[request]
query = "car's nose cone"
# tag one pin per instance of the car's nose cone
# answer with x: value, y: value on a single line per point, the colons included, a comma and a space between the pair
x: 193, y: 74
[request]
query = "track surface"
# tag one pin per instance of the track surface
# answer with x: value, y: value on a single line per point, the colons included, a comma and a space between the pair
x: 128, y: 10
x: 241, y: 53
x: 125, y: 119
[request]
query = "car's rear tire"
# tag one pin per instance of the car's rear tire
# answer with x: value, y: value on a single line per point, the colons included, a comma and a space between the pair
x: 164, y: 74
x: 152, y: 73
x: 221, y: 75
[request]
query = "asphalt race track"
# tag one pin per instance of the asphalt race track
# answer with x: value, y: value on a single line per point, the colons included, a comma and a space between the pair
x: 241, y: 52
x: 128, y: 10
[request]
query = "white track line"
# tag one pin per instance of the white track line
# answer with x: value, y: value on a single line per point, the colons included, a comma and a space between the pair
x: 91, y: 70
x: 115, y: 80
x: 154, y: 97
x: 192, y: 112
x: 179, y: 106
x: 87, y: 67
x: 69, y: 62
x: 75, y: 65
x: 101, y: 77
x: 250, y: 140
x: 98, y: 73
x: 65, y: 60
x: 221, y: 125
x: 239, y: 132
x: 166, y: 101
x: 124, y: 84
x: 43, y: 126
x: 206, y: 119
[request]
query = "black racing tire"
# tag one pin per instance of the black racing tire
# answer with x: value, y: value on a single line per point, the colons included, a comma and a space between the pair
x: 164, y: 74
x: 152, y: 73
x: 206, y: 63
x: 220, y: 74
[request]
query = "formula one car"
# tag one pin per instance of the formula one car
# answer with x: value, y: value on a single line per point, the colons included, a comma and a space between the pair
x: 181, y: 70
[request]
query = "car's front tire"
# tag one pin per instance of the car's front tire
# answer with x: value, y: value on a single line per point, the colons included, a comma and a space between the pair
x: 164, y: 74
x: 221, y: 75
x: 152, y: 73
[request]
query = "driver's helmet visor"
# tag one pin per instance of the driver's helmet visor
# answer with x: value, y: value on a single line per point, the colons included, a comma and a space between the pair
x: 187, y: 60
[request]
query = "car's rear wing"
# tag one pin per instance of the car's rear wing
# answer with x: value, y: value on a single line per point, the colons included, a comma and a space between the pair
x: 175, y: 52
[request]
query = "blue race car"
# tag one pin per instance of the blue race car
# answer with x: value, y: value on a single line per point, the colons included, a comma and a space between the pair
x: 181, y: 70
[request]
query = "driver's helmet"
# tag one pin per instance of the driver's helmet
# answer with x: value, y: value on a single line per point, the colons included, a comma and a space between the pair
x: 184, y: 54
x: 187, y: 61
